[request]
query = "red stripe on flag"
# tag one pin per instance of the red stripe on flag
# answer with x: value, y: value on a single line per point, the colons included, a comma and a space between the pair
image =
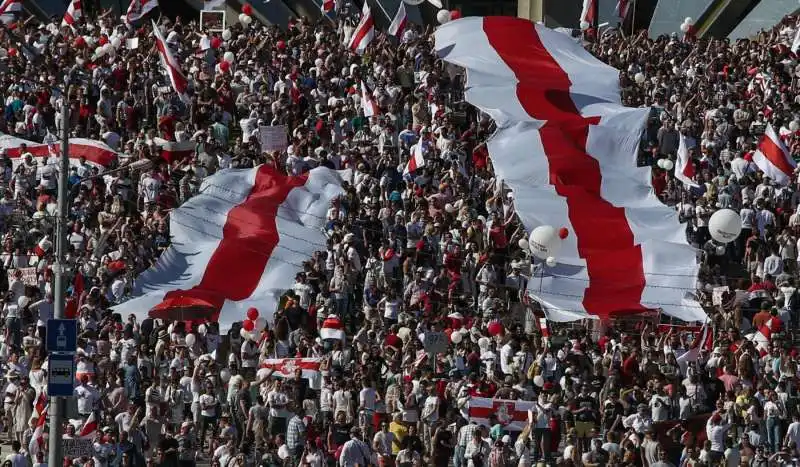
x: 485, y: 412
x: 177, y: 77
x: 94, y: 154
x: 775, y: 155
x: 362, y: 32
x: 605, y: 239
x: 249, y: 236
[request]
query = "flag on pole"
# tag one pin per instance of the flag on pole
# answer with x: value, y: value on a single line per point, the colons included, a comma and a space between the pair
x: 621, y: 9
x: 684, y: 169
x: 89, y: 427
x: 171, y: 66
x: 364, y: 32
x: 774, y: 158
x: 74, y: 13
x: 368, y: 104
x: 138, y: 8
x: 416, y: 160
x: 37, y: 442
x: 399, y: 21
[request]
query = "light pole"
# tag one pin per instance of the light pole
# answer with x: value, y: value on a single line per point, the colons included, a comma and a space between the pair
x: 58, y: 404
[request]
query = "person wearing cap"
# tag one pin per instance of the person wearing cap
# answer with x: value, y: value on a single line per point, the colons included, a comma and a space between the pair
x: 716, y: 431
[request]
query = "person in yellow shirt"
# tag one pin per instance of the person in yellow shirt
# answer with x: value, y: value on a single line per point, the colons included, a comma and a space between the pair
x: 399, y: 430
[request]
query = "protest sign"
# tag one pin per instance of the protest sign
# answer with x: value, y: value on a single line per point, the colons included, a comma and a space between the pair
x: 273, y: 138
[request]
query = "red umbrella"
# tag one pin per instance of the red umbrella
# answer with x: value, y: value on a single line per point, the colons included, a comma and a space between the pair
x: 184, y: 308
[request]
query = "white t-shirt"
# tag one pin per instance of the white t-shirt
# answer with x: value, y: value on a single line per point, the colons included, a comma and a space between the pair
x: 208, y: 404
x: 249, y: 347
x: 367, y: 398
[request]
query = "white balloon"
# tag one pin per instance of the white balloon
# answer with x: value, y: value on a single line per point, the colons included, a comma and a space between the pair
x: 244, y: 333
x: 688, y: 20
x: 544, y: 242
x: 449, y: 207
x: 226, y: 35
x: 202, y: 329
x: 261, y: 323
x: 456, y: 337
x: 685, y: 27
x: 443, y: 16
x: 523, y: 243
x: 242, y: 16
x: 660, y: 163
x: 190, y: 339
x: 225, y: 375
x: 668, y: 164
x: 794, y: 125
x: 247, y: 19
x: 484, y: 343
x: 550, y: 262
x: 3, y: 53
x: 229, y: 57
x: 99, y: 51
x: 725, y: 225
x: 116, y: 42
x: 585, y: 25
x: 639, y: 78
x: 79, y: 61
x: 404, y: 333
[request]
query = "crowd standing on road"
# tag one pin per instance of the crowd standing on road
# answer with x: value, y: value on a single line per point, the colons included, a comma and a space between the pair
x: 436, y: 250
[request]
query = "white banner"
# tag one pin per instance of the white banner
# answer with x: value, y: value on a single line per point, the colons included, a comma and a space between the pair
x: 29, y: 276
x: 75, y: 448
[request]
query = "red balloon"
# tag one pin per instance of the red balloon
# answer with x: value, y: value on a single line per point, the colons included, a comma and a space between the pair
x: 12, y: 52
x: 281, y: 45
x: 563, y: 233
x: 216, y: 42
x: 252, y: 313
x: 225, y: 66
x: 103, y: 40
x: 247, y: 9
x: 455, y: 14
x: 495, y: 328
x: 248, y: 325
x: 80, y: 42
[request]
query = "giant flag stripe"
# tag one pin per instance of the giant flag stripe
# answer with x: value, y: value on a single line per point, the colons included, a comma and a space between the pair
x: 257, y: 223
x: 95, y: 152
x: 773, y: 158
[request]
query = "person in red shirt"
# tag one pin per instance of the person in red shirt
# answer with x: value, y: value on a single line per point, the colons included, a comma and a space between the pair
x: 630, y: 367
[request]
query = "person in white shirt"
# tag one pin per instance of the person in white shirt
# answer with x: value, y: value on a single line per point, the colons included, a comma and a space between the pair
x: 249, y: 356
x: 716, y: 432
x: 87, y: 397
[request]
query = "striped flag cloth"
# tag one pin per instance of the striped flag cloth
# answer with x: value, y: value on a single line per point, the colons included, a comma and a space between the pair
x: 399, y: 21
x: 258, y: 222
x: 511, y: 414
x: 174, y: 151
x: 138, y: 9
x: 416, y: 160
x: 328, y: 7
x: 621, y: 9
x: 74, y: 13
x: 171, y: 66
x: 286, y: 367
x: 567, y: 148
x: 774, y: 158
x: 37, y: 442
x: 368, y: 104
x: 364, y: 32
x: 684, y: 169
x: 95, y: 153
x: 89, y: 428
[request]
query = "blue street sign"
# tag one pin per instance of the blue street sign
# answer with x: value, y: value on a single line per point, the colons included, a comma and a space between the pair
x: 60, y: 375
x: 62, y: 335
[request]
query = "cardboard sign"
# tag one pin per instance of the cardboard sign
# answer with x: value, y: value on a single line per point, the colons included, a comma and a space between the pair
x: 435, y: 342
x: 75, y: 448
x: 273, y: 138
x: 29, y: 276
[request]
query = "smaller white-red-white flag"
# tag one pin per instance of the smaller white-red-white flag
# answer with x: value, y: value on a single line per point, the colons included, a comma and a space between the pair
x: 74, y: 13
x: 138, y: 8
x: 545, y: 330
x: 174, y: 151
x: 8, y: 9
x: 703, y: 341
x: 89, y: 428
x: 588, y: 12
x: 332, y: 328
x: 399, y: 21
x: 286, y: 368
x: 684, y: 169
x: 416, y: 160
x: 171, y: 66
x: 368, y: 104
x: 37, y: 442
x: 364, y: 32
x: 511, y: 414
x: 774, y: 158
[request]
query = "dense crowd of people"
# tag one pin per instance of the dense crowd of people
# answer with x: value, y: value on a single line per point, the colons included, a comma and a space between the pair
x: 433, y: 251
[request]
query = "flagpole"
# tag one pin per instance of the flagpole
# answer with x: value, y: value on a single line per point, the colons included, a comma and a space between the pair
x: 378, y: 2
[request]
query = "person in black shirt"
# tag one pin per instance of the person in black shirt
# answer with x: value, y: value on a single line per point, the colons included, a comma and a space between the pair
x: 586, y: 415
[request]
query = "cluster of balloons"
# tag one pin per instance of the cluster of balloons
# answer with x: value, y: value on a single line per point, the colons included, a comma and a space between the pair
x: 665, y: 164
x: 445, y: 16
x: 687, y: 24
x: 105, y: 46
x: 246, y: 16
x: 253, y: 324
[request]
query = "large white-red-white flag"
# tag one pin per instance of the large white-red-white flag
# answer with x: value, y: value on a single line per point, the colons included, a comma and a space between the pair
x: 511, y: 414
x: 171, y: 66
x: 398, y: 24
x: 684, y: 169
x: 74, y: 13
x: 138, y: 9
x: 258, y: 224
x: 567, y: 148
x: 774, y: 158
x: 286, y: 368
x: 364, y: 32
x: 95, y: 153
